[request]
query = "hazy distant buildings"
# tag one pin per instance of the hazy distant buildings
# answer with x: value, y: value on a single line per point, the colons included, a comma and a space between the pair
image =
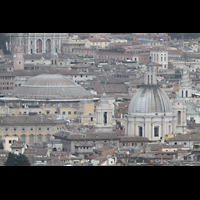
x: 35, y: 43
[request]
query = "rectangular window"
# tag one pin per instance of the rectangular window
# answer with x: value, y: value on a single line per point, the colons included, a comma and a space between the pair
x: 23, y: 138
x: 140, y: 131
x: 156, y: 133
x: 105, y: 117
x: 179, y: 117
x: 39, y: 139
x: 69, y: 112
x: 75, y: 112
x: 31, y: 139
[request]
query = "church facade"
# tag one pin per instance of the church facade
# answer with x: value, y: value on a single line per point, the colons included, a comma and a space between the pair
x: 104, y: 116
x: 151, y: 114
x: 37, y: 43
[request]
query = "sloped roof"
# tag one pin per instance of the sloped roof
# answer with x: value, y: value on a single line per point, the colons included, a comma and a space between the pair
x: 186, y: 137
x: 27, y: 120
x: 111, y: 88
x: 133, y: 139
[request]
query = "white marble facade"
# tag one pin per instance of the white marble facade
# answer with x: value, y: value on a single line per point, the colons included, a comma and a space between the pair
x: 151, y: 114
x: 37, y: 43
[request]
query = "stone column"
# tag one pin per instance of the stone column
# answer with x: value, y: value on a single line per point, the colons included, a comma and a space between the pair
x: 29, y: 49
x: 35, y: 46
x: 59, y: 43
x: 130, y: 128
x: 53, y: 43
x: 44, y: 44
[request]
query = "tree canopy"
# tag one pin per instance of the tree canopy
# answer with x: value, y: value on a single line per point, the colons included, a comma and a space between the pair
x: 17, y: 160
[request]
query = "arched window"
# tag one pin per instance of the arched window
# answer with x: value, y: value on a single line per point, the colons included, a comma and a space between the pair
x: 54, y: 149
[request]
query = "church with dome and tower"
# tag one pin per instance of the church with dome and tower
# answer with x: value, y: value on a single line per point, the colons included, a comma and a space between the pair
x: 151, y: 114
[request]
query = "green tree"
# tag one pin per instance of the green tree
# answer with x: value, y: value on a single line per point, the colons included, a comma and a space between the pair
x: 17, y: 160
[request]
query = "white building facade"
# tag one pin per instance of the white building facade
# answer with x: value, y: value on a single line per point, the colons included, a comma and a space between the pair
x: 160, y: 56
x: 36, y: 43
x: 151, y: 114
x: 104, y: 116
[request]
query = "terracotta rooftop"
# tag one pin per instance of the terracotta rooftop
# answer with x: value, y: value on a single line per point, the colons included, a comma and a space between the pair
x: 186, y: 137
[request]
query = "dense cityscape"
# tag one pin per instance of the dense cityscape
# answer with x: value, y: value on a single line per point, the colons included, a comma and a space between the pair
x: 100, y: 99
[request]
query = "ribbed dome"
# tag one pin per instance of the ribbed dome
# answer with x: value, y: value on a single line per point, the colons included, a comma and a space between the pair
x: 150, y: 99
x: 49, y: 80
x: 50, y: 86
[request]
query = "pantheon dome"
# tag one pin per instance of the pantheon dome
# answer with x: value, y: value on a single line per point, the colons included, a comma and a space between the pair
x: 52, y: 87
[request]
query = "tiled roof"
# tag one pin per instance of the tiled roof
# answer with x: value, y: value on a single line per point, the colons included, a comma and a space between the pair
x: 133, y: 139
x: 36, y: 151
x: 88, y: 136
x: 104, y: 148
x: 85, y: 144
x: 26, y: 120
x: 18, y: 144
x: 186, y: 137
x: 101, y: 158
x: 111, y: 88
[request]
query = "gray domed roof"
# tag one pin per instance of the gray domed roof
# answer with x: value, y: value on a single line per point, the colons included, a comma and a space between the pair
x: 50, y: 86
x: 150, y: 99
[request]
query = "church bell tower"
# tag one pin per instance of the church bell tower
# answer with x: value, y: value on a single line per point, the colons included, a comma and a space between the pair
x: 104, y: 116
